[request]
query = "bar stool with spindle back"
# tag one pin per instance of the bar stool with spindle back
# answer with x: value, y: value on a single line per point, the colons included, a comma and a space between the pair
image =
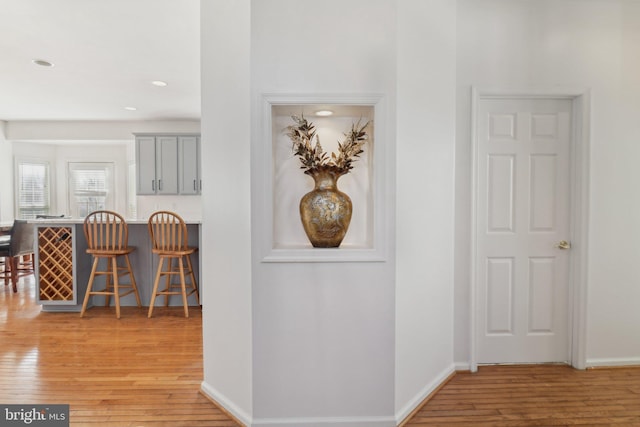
x: 169, y: 238
x: 107, y: 238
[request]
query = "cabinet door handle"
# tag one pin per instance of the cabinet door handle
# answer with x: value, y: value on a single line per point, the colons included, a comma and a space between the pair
x: 160, y: 185
x: 200, y: 185
x: 153, y: 184
x: 195, y: 188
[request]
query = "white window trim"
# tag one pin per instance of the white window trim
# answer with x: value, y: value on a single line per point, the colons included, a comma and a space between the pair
x: 110, y: 202
x: 18, y: 160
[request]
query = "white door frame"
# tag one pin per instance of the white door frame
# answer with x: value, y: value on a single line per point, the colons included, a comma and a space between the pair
x: 579, y: 212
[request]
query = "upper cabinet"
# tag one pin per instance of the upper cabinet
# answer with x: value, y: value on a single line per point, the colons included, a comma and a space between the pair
x: 146, y: 182
x: 168, y: 164
x: 189, y: 181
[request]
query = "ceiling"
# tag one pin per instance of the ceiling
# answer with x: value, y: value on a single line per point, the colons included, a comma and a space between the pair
x: 105, y: 53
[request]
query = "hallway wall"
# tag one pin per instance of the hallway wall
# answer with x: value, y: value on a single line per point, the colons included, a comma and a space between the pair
x: 332, y: 342
x: 6, y: 176
x: 584, y: 45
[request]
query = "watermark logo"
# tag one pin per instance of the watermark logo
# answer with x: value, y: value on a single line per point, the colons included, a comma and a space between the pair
x: 34, y: 415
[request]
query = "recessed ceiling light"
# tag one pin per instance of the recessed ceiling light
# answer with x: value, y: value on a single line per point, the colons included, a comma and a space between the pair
x: 323, y: 113
x: 42, y: 62
x: 159, y: 83
x: 130, y: 108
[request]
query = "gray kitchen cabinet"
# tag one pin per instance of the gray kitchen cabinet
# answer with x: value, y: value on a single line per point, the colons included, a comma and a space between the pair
x: 167, y: 164
x: 188, y: 165
x: 145, y: 165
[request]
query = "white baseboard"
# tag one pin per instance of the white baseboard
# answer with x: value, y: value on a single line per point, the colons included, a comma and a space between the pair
x: 462, y: 366
x: 423, y: 394
x: 248, y: 421
x: 225, y: 403
x: 613, y: 361
x: 326, y: 422
x: 380, y: 421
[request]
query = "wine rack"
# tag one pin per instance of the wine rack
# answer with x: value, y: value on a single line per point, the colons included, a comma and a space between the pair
x: 55, y: 266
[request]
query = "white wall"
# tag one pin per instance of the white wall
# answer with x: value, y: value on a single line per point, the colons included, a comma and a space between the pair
x: 329, y: 343
x: 6, y: 176
x: 58, y: 157
x: 425, y: 188
x: 62, y: 130
x: 108, y: 153
x: 41, y: 152
x: 323, y: 333
x: 550, y: 44
x: 226, y: 209
x: 188, y: 207
x: 97, y: 141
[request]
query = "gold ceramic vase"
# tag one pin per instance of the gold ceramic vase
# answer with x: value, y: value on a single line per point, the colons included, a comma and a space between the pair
x: 325, y: 211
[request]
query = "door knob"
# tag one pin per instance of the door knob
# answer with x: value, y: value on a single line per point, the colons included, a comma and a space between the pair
x: 563, y: 244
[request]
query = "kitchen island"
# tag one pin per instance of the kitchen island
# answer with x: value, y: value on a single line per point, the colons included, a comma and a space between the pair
x: 63, y: 266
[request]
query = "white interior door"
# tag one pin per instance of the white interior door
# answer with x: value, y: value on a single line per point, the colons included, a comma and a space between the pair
x: 522, y: 216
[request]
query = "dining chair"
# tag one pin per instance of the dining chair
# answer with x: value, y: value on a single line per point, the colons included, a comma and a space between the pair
x: 13, y: 247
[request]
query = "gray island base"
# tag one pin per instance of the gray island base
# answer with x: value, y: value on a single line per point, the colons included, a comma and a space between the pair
x: 63, y: 266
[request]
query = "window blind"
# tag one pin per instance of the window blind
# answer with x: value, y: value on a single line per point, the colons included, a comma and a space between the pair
x: 90, y: 188
x: 33, y: 189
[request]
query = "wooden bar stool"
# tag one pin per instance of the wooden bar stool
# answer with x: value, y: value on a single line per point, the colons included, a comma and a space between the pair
x: 107, y: 238
x: 169, y: 238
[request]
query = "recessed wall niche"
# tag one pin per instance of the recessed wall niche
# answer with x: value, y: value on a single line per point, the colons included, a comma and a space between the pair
x: 287, y: 241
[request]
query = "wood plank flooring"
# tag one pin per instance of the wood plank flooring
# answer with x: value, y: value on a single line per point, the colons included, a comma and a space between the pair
x: 147, y: 372
x: 535, y: 395
x: 129, y: 372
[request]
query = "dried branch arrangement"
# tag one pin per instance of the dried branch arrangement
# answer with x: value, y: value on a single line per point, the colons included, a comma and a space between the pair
x: 306, y: 145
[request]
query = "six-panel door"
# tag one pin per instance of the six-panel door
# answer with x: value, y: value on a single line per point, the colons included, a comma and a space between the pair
x: 523, y: 205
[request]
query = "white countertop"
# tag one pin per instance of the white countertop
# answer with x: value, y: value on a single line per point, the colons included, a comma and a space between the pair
x: 63, y: 221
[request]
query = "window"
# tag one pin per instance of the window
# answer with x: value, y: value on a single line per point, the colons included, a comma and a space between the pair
x: 91, y: 188
x: 33, y: 189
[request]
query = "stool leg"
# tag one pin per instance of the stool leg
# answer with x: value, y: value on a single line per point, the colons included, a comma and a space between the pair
x: 133, y: 280
x: 183, y: 288
x: 87, y: 294
x: 167, y: 281
x: 193, y: 279
x: 116, y: 291
x: 155, y: 286
x: 108, y: 287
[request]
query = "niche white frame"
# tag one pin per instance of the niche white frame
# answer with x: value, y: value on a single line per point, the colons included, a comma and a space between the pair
x: 264, y: 161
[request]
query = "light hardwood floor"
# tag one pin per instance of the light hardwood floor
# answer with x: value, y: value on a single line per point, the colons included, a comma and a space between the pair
x: 535, y: 395
x: 147, y: 372
x: 129, y: 372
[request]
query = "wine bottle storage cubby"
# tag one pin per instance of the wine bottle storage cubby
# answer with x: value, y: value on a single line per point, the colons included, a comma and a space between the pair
x: 55, y: 267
